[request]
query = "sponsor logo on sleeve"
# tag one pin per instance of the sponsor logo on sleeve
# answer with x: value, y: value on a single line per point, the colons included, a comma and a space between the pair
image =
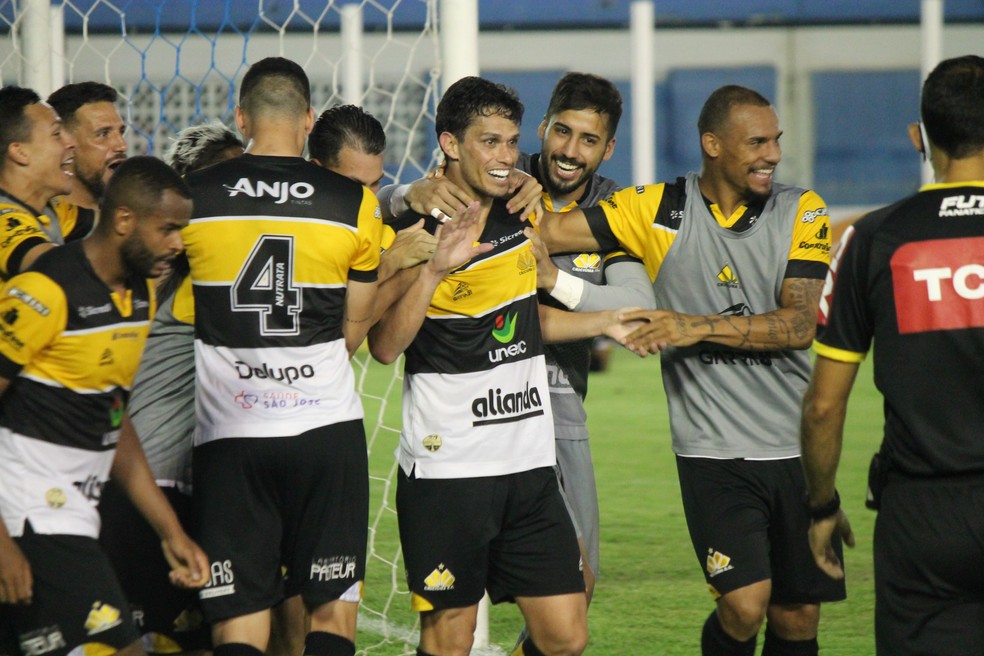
x: 29, y: 301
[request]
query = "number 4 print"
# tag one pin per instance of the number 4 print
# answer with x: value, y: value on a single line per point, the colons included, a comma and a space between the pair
x: 265, y: 284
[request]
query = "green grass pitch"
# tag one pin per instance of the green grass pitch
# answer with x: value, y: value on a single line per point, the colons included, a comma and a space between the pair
x: 651, y: 597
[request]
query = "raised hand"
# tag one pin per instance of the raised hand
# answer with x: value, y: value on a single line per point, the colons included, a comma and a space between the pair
x: 457, y: 240
x: 526, y: 194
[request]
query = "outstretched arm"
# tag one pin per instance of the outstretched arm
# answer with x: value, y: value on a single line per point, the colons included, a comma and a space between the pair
x: 626, y: 283
x: 563, y: 232
x: 435, y: 195
x: 456, y: 245
x: 792, y: 326
x: 189, y: 564
x: 822, y: 436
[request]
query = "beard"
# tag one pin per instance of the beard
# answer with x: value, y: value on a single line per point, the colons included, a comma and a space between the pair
x: 92, y: 181
x: 557, y: 186
x: 138, y: 259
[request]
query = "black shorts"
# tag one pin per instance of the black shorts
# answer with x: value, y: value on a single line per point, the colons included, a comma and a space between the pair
x: 929, y: 583
x: 748, y: 523
x: 168, y: 618
x: 299, y: 502
x: 77, y: 599
x: 510, y: 535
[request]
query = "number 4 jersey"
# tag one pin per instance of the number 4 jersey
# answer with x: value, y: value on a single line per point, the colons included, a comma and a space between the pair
x: 272, y: 245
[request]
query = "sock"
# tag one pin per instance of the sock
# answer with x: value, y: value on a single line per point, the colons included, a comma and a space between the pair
x: 322, y: 643
x: 421, y: 652
x: 527, y: 648
x: 776, y: 646
x: 715, y: 642
x: 236, y: 649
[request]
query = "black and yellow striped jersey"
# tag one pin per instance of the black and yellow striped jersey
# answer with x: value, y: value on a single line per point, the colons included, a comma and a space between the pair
x: 22, y: 228
x: 645, y: 221
x: 272, y: 245
x: 69, y: 347
x: 476, y: 398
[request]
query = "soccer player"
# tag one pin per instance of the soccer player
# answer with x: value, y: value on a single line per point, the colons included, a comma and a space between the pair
x: 162, y: 410
x: 88, y: 111
x: 283, y: 258
x: 350, y: 141
x: 72, y: 331
x: 36, y: 155
x: 478, y: 502
x: 199, y: 146
x: 910, y: 277
x: 577, y: 135
x: 737, y: 262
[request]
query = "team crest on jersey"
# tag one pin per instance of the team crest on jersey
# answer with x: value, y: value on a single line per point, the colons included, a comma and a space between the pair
x: 55, y: 497
x: 440, y: 579
x: 525, y: 262
x: 9, y: 317
x: 432, y: 443
x: 587, y: 262
x: 727, y: 278
x: 102, y: 617
x: 717, y: 563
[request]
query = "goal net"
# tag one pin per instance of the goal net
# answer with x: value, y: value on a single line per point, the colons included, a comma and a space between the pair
x: 177, y: 62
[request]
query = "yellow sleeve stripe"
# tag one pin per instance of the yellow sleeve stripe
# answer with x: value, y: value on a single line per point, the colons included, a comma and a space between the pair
x: 837, y: 354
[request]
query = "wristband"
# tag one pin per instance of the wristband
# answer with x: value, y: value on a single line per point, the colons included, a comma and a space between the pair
x: 568, y: 289
x: 825, y: 511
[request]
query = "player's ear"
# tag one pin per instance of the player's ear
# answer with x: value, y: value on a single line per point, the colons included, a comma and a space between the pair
x: 710, y: 144
x: 542, y: 130
x: 124, y: 221
x: 309, y: 121
x: 609, y: 149
x: 18, y: 154
x: 240, y: 120
x: 916, y: 137
x: 449, y: 145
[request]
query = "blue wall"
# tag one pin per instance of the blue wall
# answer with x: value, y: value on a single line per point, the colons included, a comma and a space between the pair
x: 207, y: 15
x: 861, y: 154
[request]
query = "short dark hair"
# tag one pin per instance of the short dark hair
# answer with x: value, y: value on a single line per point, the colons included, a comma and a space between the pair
x: 138, y: 183
x: 199, y: 146
x: 717, y: 108
x: 341, y: 126
x: 14, y: 125
x: 471, y: 97
x: 578, y: 91
x: 67, y: 100
x: 275, y: 85
x: 952, y: 106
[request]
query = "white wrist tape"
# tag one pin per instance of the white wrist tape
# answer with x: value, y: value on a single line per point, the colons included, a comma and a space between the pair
x: 398, y: 203
x: 568, y: 289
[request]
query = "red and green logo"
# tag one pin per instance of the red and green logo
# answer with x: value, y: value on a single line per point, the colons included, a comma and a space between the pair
x: 505, y: 327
